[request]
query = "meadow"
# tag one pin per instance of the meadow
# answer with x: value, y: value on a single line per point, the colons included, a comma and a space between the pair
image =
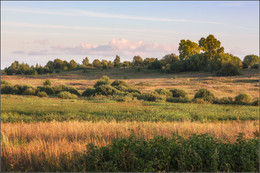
x: 53, y: 134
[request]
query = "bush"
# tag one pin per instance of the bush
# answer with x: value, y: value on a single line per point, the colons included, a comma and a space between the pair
x: 256, y: 102
x: 103, y: 81
x: 42, y: 94
x: 124, y: 87
x: 20, y: 89
x: 179, y: 93
x: 124, y: 98
x: 225, y: 100
x: 105, y: 90
x: 199, y: 101
x: 30, y: 91
x: 71, y: 90
x: 243, y: 99
x: 47, y: 89
x: 4, y: 82
x: 162, y: 91
x: 67, y: 95
x: 89, y: 92
x: 7, y: 89
x: 151, y: 97
x: 178, y: 99
x: 47, y: 83
x: 119, y: 83
x: 58, y: 88
x: 206, y: 95
x: 228, y: 69
x: 255, y: 66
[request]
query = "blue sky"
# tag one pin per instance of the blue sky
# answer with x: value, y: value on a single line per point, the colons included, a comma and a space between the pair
x: 35, y: 32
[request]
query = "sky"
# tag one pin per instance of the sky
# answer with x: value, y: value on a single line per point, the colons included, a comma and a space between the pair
x: 36, y: 32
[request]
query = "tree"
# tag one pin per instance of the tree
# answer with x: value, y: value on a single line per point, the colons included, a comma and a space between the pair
x: 126, y: 64
x: 196, y: 62
x: 110, y: 64
x: 50, y: 65
x: 155, y: 65
x: 168, y: 59
x: 137, y: 61
x: 188, y: 48
x: 58, y: 64
x: 250, y: 60
x: 104, y: 64
x: 228, y: 69
x: 211, y: 46
x: 148, y: 61
x: 96, y: 63
x: 85, y: 61
x: 72, y: 64
x: 117, y: 61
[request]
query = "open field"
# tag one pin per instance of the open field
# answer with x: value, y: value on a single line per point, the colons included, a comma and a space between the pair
x: 148, y: 80
x: 33, y: 109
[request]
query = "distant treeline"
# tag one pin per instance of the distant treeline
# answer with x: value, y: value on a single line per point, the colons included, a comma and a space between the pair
x: 206, y: 55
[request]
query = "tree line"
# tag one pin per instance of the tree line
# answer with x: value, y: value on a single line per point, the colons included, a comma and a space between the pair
x: 206, y: 55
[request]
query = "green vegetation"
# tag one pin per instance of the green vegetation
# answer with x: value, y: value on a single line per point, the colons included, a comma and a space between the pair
x: 206, y: 95
x: 34, y: 109
x: 243, y: 99
x: 67, y: 95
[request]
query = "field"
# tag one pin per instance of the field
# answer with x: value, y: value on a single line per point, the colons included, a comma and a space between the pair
x: 50, y: 134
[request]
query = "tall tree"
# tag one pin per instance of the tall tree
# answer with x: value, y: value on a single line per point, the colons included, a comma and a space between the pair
x: 96, y: 63
x: 117, y: 61
x: 137, y: 61
x: 211, y: 46
x: 72, y: 64
x: 250, y: 60
x: 85, y: 61
x: 188, y: 48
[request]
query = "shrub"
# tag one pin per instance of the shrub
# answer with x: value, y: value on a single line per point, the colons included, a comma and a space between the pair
x: 124, y: 98
x: 150, y: 97
x: 162, y: 91
x: 206, y: 95
x: 30, y: 91
x: 47, y: 89
x: 42, y: 94
x: 256, y: 102
x: 243, y: 99
x: 251, y: 60
x: 179, y: 93
x: 67, y: 95
x: 47, y: 83
x: 71, y: 90
x: 4, y: 82
x: 89, y: 92
x: 119, y: 83
x: 225, y: 100
x: 7, y: 89
x: 228, y: 69
x: 105, y: 90
x: 19, y: 89
x: 178, y: 99
x: 123, y: 86
x: 199, y: 101
x: 103, y: 81
x: 255, y: 66
x: 58, y: 88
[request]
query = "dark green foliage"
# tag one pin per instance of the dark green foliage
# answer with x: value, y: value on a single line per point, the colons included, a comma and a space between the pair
x: 42, y: 94
x: 47, y: 83
x: 206, y: 95
x: 137, y: 61
x: 105, y: 90
x: 179, y: 66
x: 67, y: 95
x: 71, y: 90
x: 30, y: 91
x: 250, y: 60
x: 196, y: 62
x: 255, y: 66
x: 243, y: 99
x: 162, y: 91
x: 151, y: 97
x: 155, y: 65
x: 19, y: 89
x: 198, y: 153
x: 123, y: 86
x: 89, y: 92
x: 225, y: 100
x: 47, y: 89
x: 256, y: 102
x: 58, y: 88
x: 7, y: 89
x: 103, y: 81
x: 179, y: 93
x: 228, y: 69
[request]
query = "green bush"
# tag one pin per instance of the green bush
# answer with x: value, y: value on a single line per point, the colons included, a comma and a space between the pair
x: 178, y: 99
x: 71, y: 90
x: 255, y: 66
x: 30, y: 91
x: 243, y: 99
x: 103, y: 81
x: 47, y: 89
x: 89, y: 92
x: 124, y: 98
x: 162, y: 91
x: 151, y: 97
x: 7, y: 89
x: 119, y: 83
x: 256, y: 102
x: 206, y: 95
x: 42, y: 94
x: 67, y: 95
x: 47, y: 83
x: 58, y: 88
x: 199, y: 101
x: 20, y: 89
x: 105, y: 90
x: 228, y: 69
x: 225, y: 100
x: 198, y: 153
x: 4, y: 82
x: 179, y: 93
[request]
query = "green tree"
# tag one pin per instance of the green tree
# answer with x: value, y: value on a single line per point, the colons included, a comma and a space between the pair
x: 58, y: 64
x: 85, y: 61
x: 250, y: 60
x: 110, y: 64
x: 104, y: 64
x: 126, y: 64
x: 117, y: 61
x: 72, y: 64
x: 196, y: 62
x: 137, y: 61
x: 188, y: 48
x: 211, y: 46
x: 50, y: 65
x: 148, y: 61
x: 96, y: 63
x: 168, y: 59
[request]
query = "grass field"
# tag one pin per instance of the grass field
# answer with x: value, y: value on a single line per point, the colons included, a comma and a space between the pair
x: 50, y: 134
